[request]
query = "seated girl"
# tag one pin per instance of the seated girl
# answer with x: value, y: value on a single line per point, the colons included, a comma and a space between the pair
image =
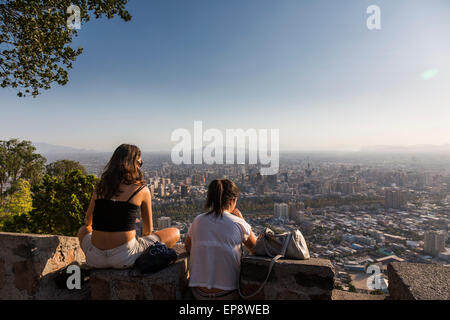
x: 108, y: 239
x: 214, y: 242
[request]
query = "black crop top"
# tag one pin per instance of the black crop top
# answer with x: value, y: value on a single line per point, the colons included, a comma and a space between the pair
x: 115, y: 216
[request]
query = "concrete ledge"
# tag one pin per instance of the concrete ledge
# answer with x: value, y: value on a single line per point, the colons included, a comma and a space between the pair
x: 167, y: 284
x: 29, y: 265
x: 416, y: 281
x: 311, y: 279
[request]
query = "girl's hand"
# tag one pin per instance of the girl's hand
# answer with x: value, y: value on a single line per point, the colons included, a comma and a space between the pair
x: 237, y: 213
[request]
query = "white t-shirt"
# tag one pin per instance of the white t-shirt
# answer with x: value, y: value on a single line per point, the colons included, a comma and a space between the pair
x: 215, y: 257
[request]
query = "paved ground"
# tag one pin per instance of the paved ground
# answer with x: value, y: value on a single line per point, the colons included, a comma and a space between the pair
x: 344, y: 295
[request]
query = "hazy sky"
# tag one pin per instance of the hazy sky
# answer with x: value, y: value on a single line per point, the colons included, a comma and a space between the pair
x: 309, y: 68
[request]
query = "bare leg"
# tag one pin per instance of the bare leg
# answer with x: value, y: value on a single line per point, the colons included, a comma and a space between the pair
x: 169, y: 236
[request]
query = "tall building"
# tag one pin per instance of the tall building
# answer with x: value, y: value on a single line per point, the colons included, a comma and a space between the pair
x: 346, y: 187
x: 152, y: 190
x: 281, y: 211
x: 184, y: 191
x: 434, y: 242
x: 394, y: 198
x: 296, y: 210
x: 162, y: 192
x: 164, y: 222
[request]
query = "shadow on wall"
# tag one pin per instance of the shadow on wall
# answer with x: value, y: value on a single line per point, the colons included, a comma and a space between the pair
x: 30, y: 264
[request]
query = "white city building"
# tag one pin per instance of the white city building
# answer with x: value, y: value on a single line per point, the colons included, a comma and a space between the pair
x: 164, y: 222
x: 281, y: 211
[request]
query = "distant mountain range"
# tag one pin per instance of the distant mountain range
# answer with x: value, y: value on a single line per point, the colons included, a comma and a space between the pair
x: 420, y: 148
x: 46, y: 148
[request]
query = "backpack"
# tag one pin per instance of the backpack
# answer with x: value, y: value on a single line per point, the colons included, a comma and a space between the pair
x: 155, y: 258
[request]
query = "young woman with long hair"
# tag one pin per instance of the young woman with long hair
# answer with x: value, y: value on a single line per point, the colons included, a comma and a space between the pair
x: 109, y: 237
x: 214, y: 242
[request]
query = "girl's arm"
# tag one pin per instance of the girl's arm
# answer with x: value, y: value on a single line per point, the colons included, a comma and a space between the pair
x: 251, y: 241
x: 146, y: 213
x: 90, y: 213
x: 187, y: 244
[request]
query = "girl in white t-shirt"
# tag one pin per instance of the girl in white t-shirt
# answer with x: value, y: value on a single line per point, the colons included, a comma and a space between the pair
x: 214, y: 243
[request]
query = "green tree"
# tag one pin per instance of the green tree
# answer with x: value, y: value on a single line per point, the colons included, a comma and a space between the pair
x: 18, y: 160
x: 337, y: 286
x: 61, y: 167
x: 377, y: 292
x: 20, y: 202
x: 59, y: 205
x: 35, y: 40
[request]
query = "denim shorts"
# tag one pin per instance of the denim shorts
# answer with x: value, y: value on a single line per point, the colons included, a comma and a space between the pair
x: 118, y: 258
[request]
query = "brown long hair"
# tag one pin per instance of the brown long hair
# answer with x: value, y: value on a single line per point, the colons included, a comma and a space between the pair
x: 122, y: 168
x: 220, y: 192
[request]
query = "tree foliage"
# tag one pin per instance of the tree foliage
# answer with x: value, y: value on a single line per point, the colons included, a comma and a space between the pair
x: 18, y: 160
x: 377, y: 292
x: 61, y: 167
x: 59, y: 205
x: 187, y: 210
x: 36, y: 43
x: 20, y: 202
x: 351, y: 288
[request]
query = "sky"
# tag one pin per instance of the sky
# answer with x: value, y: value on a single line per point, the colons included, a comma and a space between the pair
x: 311, y: 69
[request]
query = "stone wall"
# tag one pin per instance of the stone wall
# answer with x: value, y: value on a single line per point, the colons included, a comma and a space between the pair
x: 29, y: 265
x: 289, y: 280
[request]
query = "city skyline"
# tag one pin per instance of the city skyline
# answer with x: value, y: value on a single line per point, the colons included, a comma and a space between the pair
x: 47, y: 148
x: 312, y: 70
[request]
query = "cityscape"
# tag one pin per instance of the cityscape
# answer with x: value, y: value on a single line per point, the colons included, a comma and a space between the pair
x: 330, y: 117
x: 356, y: 210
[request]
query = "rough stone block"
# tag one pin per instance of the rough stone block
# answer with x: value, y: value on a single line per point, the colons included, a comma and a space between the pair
x: 311, y: 279
x: 417, y: 281
x: 29, y: 265
x: 167, y: 284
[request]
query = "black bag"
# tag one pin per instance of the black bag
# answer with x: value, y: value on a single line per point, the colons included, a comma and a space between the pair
x: 155, y: 258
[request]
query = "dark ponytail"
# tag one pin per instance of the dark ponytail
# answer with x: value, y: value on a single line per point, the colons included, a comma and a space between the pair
x: 220, y: 192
